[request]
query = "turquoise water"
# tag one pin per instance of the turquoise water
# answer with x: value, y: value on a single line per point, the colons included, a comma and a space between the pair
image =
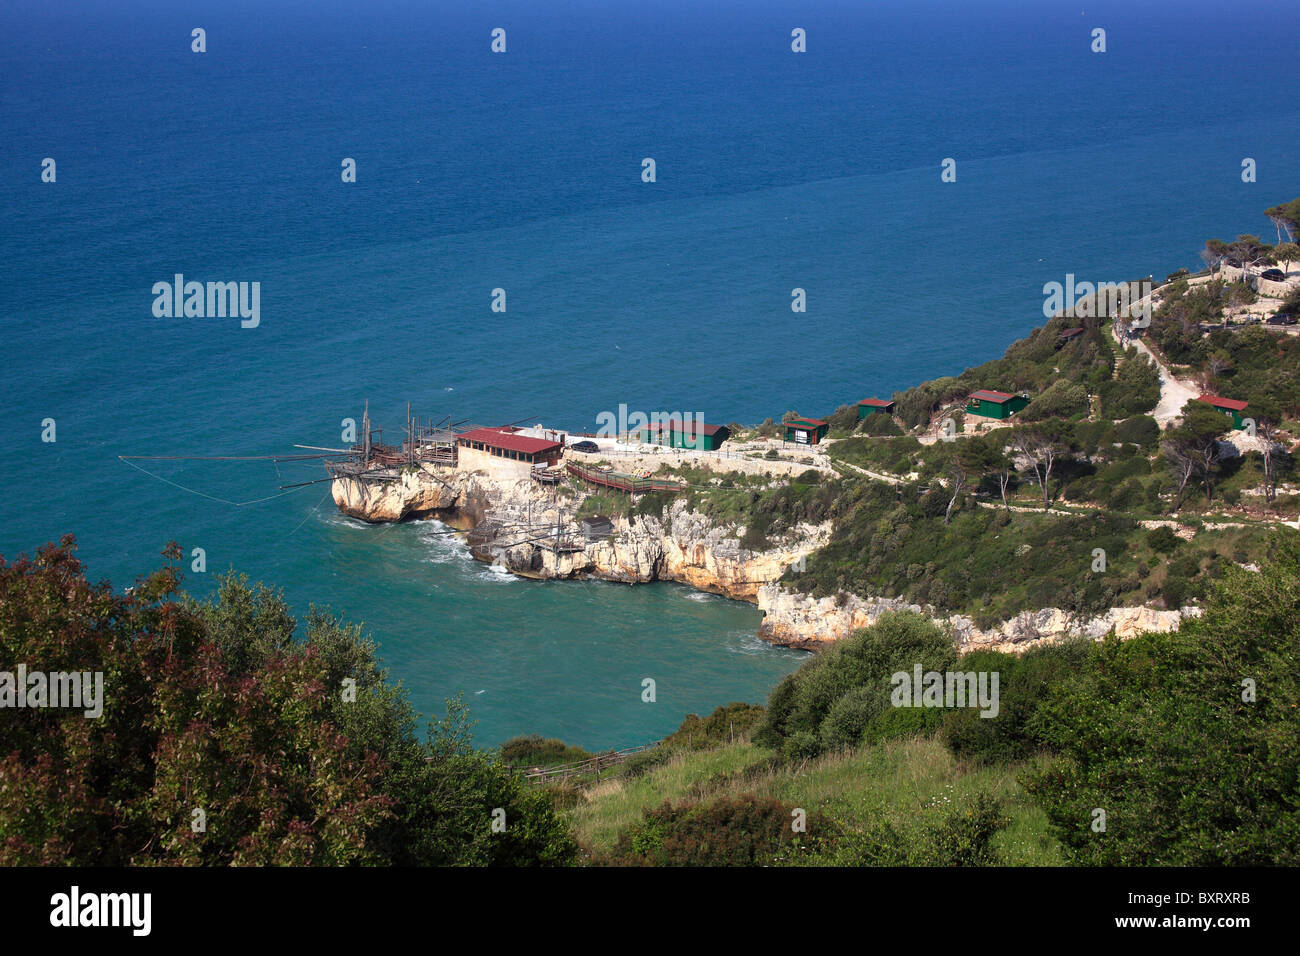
x: 522, y: 172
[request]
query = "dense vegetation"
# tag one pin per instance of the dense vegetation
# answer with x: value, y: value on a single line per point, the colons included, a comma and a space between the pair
x: 216, y: 707
x: 1167, y: 749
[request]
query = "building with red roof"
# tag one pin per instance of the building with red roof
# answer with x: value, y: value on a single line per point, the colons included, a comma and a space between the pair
x: 993, y: 404
x: 489, y: 449
x: 805, y: 431
x: 1231, y: 407
x: 872, y: 406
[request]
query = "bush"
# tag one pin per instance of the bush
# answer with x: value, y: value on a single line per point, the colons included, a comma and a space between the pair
x: 963, y: 838
x: 534, y: 751
x: 835, y: 698
x: 724, y: 725
x: 727, y: 831
x: 1140, y: 430
x: 843, y: 421
x: 642, y: 763
x: 1162, y: 539
x: 1134, y: 391
x: 1022, y: 685
x: 1061, y: 399
x: 216, y: 704
x: 1159, y: 731
x: 879, y: 424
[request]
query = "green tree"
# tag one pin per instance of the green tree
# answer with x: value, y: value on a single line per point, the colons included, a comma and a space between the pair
x: 1189, y: 741
x: 1286, y: 253
x: 1286, y: 218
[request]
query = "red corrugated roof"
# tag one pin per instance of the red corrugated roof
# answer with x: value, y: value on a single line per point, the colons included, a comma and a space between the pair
x: 988, y: 395
x: 877, y: 402
x: 509, y: 441
x: 806, y: 422
x: 1218, y: 402
x: 675, y: 424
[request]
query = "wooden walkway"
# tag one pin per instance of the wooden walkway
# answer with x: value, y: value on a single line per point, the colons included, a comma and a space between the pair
x: 618, y: 481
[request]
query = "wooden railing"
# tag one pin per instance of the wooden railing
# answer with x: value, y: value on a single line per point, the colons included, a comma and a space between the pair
x: 590, y: 767
x: 621, y: 482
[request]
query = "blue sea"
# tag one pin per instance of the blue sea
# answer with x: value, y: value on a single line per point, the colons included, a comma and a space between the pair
x: 522, y: 171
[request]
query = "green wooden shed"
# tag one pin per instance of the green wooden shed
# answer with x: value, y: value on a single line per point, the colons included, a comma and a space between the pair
x: 991, y: 404
x: 1231, y: 407
x: 870, y: 406
x: 805, y: 431
x: 676, y: 433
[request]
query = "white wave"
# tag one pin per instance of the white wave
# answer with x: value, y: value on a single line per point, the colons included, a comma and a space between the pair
x: 748, y: 643
x: 497, y: 574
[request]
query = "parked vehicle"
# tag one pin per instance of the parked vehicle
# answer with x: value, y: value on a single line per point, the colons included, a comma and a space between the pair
x: 585, y: 446
x: 1273, y: 275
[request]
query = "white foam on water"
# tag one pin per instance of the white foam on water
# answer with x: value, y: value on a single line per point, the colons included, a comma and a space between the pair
x: 444, y: 548
x: 747, y: 643
x: 497, y: 574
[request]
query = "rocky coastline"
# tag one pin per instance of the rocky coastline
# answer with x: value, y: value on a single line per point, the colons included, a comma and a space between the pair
x: 531, y: 531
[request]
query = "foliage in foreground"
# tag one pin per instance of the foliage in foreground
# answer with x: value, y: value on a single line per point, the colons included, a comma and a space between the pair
x: 215, y: 707
x: 741, y: 831
x: 1189, y: 742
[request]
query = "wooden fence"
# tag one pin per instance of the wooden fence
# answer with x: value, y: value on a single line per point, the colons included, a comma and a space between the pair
x: 621, y: 482
x: 590, y: 767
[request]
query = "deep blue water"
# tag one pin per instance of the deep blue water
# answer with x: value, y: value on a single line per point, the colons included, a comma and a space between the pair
x: 522, y: 171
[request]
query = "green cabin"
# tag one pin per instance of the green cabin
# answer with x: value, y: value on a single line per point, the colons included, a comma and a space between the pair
x: 676, y: 433
x: 870, y: 406
x: 991, y: 404
x: 1229, y: 406
x: 805, y: 431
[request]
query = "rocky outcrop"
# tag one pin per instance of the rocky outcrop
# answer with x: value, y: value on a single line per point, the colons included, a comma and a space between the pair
x: 532, y: 532
x: 681, y: 545
x: 800, y: 620
x: 527, y: 530
x: 418, y: 491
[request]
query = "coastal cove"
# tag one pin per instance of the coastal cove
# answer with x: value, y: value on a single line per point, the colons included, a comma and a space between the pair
x: 820, y: 173
x: 561, y: 659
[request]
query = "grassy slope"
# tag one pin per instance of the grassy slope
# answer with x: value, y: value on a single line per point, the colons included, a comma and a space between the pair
x: 900, y: 781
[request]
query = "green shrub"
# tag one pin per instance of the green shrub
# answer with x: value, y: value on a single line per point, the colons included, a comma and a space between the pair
x: 727, y: 831
x: 879, y: 424
x: 852, y: 682
x: 1061, y: 399
x: 1160, y: 732
x: 1023, y: 683
x: 534, y: 751
x: 725, y: 725
x: 639, y: 764
x: 1162, y: 539
x: 843, y: 420
x: 963, y: 837
x: 1140, y: 430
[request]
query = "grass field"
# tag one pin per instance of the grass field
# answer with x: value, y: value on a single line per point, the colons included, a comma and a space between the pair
x: 903, y: 782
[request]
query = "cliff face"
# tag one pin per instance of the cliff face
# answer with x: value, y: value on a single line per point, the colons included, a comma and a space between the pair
x: 680, y: 545
x: 531, y: 532
x: 424, y: 490
x: 800, y: 620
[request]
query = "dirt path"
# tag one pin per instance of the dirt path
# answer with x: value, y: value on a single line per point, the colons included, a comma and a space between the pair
x: 1173, y: 393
